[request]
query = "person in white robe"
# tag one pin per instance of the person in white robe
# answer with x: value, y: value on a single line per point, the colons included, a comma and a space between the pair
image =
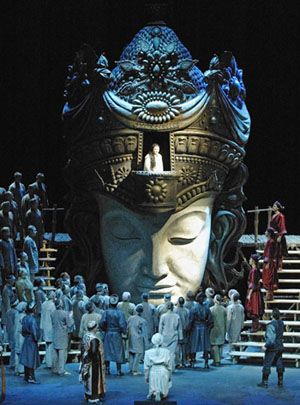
x: 48, y: 307
x: 158, y: 369
x: 153, y: 160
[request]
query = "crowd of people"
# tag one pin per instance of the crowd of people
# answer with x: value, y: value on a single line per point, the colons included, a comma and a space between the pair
x: 162, y: 338
x: 22, y: 206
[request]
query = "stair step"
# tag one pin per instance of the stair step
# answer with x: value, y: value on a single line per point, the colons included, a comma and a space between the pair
x: 261, y: 344
x: 283, y: 301
x: 46, y: 268
x: 291, y: 356
x: 265, y: 322
x: 290, y: 252
x: 284, y: 311
x: 285, y: 291
x: 285, y: 261
x: 45, y: 278
x: 46, y: 288
x: 48, y: 250
x: 47, y: 259
x: 43, y: 352
x: 289, y: 271
x: 289, y: 280
x: 262, y: 333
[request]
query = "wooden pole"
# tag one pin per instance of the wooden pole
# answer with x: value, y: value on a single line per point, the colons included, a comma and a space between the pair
x: 54, y: 222
x: 269, y: 215
x: 256, y: 223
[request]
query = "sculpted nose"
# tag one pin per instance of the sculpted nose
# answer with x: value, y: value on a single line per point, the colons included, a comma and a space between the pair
x: 153, y: 264
x: 159, y: 267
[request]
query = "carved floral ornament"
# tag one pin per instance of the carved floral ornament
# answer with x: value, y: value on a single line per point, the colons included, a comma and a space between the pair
x: 156, y: 190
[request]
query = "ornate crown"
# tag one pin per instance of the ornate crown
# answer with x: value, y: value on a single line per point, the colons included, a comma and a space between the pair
x: 156, y: 93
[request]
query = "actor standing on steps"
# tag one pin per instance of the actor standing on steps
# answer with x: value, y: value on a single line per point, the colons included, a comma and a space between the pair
x: 273, y: 349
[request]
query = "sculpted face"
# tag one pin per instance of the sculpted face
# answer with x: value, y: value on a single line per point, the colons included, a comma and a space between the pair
x: 155, y: 253
x: 193, y: 143
x: 130, y: 144
x: 181, y: 144
x: 118, y: 145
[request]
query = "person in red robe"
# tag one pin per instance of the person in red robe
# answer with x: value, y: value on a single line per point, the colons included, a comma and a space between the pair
x: 278, y: 224
x: 269, y: 275
x: 254, y: 303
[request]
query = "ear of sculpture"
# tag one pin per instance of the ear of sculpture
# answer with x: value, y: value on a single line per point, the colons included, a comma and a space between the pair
x: 226, y: 230
x: 225, y: 227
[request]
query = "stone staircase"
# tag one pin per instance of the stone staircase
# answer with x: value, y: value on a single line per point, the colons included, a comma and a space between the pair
x: 287, y: 300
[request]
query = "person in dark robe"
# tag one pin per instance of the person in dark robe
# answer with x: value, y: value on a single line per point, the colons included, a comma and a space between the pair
x: 254, y: 302
x: 40, y: 189
x: 200, y: 323
x: 34, y: 217
x: 184, y: 314
x: 2, y: 192
x: 137, y: 339
x: 269, y: 274
x: 39, y: 296
x: 30, y: 357
x: 113, y: 322
x: 8, y: 296
x: 273, y: 349
x: 78, y: 308
x: 8, y: 263
x: 14, y: 209
x: 31, y: 249
x: 278, y: 224
x: 150, y: 315
x: 18, y: 189
x: 24, y: 263
x: 92, y: 366
x: 25, y: 202
x: 7, y: 218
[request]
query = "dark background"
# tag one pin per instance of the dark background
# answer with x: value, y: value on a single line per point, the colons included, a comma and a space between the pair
x: 40, y: 38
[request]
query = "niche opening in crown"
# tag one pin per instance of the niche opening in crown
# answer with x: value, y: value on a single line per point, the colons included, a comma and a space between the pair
x: 152, y: 162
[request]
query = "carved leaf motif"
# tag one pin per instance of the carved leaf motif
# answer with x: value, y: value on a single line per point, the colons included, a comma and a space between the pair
x: 171, y: 47
x: 126, y: 89
x: 187, y: 88
x: 186, y: 64
x: 144, y: 46
x: 128, y: 66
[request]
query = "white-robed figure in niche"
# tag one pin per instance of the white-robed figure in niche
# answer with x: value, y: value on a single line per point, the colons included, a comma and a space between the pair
x: 153, y: 160
x: 158, y: 369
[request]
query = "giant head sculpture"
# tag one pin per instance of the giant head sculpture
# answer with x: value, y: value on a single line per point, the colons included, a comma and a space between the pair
x: 157, y: 232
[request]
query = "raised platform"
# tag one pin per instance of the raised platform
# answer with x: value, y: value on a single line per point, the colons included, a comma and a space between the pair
x: 293, y: 241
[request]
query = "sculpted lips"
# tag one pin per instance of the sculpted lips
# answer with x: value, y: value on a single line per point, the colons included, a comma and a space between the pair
x: 162, y: 288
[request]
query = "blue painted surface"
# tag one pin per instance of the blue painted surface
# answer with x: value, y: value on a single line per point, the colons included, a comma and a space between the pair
x: 229, y: 384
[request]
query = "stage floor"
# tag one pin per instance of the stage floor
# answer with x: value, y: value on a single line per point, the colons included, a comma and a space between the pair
x: 229, y: 384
